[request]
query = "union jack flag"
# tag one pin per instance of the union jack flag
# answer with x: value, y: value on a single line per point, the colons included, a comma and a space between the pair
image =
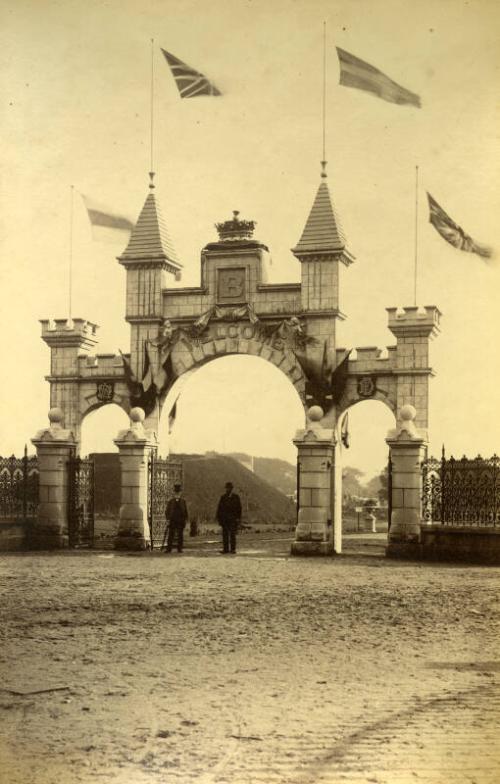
x: 189, y: 81
x: 453, y: 233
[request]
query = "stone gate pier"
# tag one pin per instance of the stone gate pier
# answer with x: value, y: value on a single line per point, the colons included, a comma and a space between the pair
x: 408, y: 450
x: 316, y: 449
x: 54, y: 446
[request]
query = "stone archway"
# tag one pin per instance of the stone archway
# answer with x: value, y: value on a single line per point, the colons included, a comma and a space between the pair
x: 235, y: 310
x: 183, y: 356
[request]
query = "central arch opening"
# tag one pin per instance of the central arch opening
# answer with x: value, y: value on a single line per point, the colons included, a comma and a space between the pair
x: 233, y: 419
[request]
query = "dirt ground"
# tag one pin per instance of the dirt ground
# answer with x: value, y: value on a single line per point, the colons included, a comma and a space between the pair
x: 156, y: 669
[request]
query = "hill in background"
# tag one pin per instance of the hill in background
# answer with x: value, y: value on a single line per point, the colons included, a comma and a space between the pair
x: 283, y: 476
x: 204, y: 480
x: 278, y: 473
x: 265, y: 492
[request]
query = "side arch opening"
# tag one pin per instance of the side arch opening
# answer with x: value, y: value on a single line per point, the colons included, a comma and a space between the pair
x: 362, y: 474
x: 99, y: 428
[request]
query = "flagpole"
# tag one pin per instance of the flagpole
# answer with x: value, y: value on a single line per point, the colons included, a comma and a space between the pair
x: 70, y: 260
x: 324, y: 91
x: 151, y: 160
x: 416, y: 239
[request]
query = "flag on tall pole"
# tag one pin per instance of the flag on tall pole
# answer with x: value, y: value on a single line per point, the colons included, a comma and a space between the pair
x: 363, y: 76
x: 453, y: 233
x: 105, y: 223
x: 189, y: 81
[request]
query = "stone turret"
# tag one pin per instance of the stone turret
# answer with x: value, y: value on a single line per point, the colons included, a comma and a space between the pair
x: 148, y: 259
x: 413, y: 329
x: 68, y: 339
x: 320, y: 250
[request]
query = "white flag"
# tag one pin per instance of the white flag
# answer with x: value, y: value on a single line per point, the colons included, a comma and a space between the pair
x: 106, y: 224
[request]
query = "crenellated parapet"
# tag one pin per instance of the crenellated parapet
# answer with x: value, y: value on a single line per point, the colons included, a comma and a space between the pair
x: 366, y: 359
x: 73, y: 333
x: 67, y: 338
x: 100, y: 366
x: 411, y: 321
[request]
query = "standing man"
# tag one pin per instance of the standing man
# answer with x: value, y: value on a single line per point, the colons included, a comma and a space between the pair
x: 176, y: 514
x: 229, y: 516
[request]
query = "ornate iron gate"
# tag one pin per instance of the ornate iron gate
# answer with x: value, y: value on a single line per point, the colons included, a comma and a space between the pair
x: 389, y: 492
x: 431, y: 490
x: 18, y: 488
x: 297, y: 491
x: 80, y: 502
x: 163, y: 473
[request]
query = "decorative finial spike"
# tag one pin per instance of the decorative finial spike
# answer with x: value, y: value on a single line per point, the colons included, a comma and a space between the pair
x: 323, y: 168
x: 151, y: 177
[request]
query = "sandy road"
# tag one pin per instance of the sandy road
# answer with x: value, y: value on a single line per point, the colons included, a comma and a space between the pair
x: 255, y: 668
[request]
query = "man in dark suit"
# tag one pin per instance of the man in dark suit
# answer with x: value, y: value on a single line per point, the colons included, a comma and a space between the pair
x: 176, y: 514
x: 228, y: 517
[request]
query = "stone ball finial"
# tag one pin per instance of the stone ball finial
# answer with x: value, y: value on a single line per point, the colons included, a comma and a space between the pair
x: 315, y: 413
x: 55, y: 415
x: 408, y: 412
x: 137, y: 414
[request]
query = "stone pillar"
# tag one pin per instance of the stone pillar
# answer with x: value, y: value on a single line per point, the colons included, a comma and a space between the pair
x: 315, y: 444
x: 336, y: 479
x: 54, y: 446
x: 134, y: 445
x: 407, y: 453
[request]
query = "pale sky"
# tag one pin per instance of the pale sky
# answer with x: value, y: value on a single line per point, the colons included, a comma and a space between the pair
x: 75, y: 110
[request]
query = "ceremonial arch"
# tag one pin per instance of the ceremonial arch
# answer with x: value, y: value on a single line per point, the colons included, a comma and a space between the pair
x: 235, y: 310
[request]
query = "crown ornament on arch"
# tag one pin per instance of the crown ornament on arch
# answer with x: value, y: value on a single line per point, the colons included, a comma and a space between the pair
x: 235, y: 229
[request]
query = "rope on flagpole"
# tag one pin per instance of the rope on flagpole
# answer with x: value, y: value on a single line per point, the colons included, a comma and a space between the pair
x: 70, y: 265
x: 416, y: 239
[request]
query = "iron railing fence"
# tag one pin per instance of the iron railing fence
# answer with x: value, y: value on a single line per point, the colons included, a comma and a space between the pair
x: 19, y: 488
x: 463, y: 492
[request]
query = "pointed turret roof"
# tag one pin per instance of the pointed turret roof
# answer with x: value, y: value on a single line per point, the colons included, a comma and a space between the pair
x: 322, y: 232
x: 150, y: 239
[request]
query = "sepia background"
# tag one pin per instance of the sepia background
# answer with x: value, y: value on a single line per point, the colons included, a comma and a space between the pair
x: 75, y: 91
